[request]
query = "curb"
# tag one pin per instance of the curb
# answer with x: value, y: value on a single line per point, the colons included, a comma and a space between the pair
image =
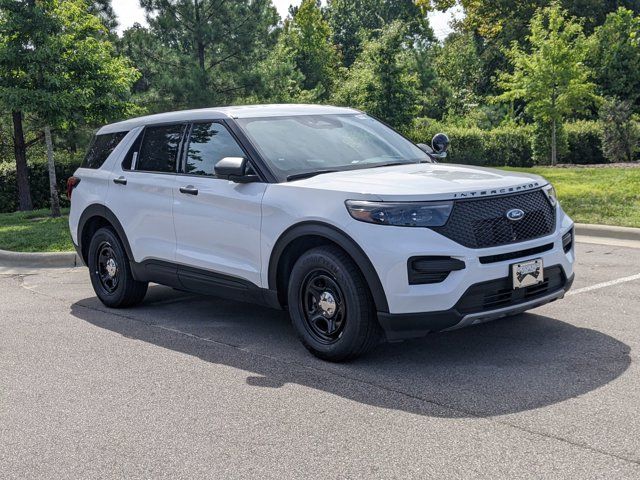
x: 71, y: 259
x: 39, y: 259
x: 607, y: 231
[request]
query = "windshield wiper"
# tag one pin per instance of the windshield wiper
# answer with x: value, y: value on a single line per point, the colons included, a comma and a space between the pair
x: 390, y: 164
x: 299, y: 176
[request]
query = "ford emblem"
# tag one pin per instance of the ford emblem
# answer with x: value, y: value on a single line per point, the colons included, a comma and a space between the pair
x: 515, y: 214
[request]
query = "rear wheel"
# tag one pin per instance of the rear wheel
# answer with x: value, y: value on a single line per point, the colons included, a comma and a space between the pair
x: 110, y: 271
x: 330, y: 305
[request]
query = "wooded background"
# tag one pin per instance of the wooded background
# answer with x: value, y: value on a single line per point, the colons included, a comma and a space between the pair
x: 516, y: 83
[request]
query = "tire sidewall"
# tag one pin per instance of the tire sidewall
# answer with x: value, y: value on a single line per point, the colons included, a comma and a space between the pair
x: 357, y: 313
x: 107, y: 235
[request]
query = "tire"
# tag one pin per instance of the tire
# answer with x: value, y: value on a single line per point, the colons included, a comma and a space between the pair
x: 110, y: 271
x: 331, y: 306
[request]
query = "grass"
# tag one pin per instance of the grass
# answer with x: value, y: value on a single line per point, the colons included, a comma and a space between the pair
x: 607, y: 195
x: 35, y: 231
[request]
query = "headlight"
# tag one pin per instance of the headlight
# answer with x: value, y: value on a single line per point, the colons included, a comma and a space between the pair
x: 401, y: 214
x: 551, y: 194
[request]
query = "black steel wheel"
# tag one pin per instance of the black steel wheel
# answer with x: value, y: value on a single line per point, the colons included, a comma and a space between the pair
x: 110, y: 271
x: 107, y: 267
x: 323, y: 306
x: 330, y: 305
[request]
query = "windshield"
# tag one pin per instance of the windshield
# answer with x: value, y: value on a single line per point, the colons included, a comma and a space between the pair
x: 296, y: 145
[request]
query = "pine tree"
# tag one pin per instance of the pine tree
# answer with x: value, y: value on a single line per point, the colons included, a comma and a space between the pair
x: 206, y: 51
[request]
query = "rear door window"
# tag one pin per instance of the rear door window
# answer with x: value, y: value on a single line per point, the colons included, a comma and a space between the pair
x: 160, y: 148
x: 127, y: 162
x: 100, y: 149
x: 208, y: 144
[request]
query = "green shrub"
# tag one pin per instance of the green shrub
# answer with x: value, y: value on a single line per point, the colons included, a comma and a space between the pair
x: 423, y: 129
x: 619, y: 133
x: 467, y: 146
x: 507, y: 145
x: 585, y: 144
x: 66, y: 165
x: 511, y: 145
x: 541, y: 143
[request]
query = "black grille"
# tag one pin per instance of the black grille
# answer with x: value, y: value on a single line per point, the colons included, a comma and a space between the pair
x: 482, y: 223
x: 500, y: 293
x: 519, y: 254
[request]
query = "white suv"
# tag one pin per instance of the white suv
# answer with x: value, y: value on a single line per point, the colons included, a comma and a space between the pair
x: 321, y: 210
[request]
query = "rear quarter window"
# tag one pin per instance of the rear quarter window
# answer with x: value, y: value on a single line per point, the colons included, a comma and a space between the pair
x: 100, y: 149
x: 159, y: 149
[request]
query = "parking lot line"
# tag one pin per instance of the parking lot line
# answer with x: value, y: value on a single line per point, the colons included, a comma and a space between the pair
x: 604, y: 284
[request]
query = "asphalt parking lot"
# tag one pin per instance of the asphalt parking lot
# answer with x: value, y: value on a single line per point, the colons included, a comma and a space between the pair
x: 196, y: 387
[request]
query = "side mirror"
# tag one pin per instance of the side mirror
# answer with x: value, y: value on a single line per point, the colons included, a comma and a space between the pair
x: 425, y: 148
x: 440, y: 143
x: 438, y: 148
x: 233, y: 169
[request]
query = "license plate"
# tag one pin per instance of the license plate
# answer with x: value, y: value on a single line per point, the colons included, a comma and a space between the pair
x: 527, y: 273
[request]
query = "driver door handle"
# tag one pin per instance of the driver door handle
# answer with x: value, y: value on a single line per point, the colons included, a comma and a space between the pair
x: 120, y: 180
x: 189, y: 190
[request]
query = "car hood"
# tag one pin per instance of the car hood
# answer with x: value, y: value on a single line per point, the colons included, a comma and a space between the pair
x: 424, y: 181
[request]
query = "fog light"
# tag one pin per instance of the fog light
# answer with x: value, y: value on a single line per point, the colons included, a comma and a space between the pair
x: 567, y: 241
x: 434, y: 269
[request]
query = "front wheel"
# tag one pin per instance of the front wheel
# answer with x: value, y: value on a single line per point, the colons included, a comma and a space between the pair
x: 330, y: 305
x: 110, y: 271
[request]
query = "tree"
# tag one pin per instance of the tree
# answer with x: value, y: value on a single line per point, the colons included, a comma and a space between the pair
x: 615, y: 56
x: 209, y: 48
x: 499, y: 23
x: 152, y: 59
x: 541, y: 147
x: 508, y: 20
x: 354, y: 21
x: 103, y: 10
x: 381, y: 81
x: 306, y: 37
x: 620, y: 134
x: 459, y: 71
x: 553, y: 79
x: 304, y: 64
x: 280, y: 80
x: 58, y: 65
x: 17, y: 21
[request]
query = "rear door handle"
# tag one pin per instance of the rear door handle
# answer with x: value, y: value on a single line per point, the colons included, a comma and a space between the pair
x: 120, y: 181
x: 189, y: 190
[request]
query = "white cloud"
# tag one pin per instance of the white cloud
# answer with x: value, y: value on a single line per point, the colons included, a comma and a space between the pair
x: 440, y: 21
x: 128, y: 12
x: 283, y: 6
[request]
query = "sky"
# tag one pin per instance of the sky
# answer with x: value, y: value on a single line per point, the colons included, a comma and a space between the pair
x: 129, y: 12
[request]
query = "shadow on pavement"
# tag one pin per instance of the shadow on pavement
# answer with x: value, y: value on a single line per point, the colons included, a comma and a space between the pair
x: 503, y: 367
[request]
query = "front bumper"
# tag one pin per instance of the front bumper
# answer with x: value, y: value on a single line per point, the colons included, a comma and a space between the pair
x: 415, y: 309
x: 389, y: 248
x: 402, y: 326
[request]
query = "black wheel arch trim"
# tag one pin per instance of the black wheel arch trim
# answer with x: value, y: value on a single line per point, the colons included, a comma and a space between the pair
x: 341, y: 239
x: 98, y: 210
x: 320, y: 229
